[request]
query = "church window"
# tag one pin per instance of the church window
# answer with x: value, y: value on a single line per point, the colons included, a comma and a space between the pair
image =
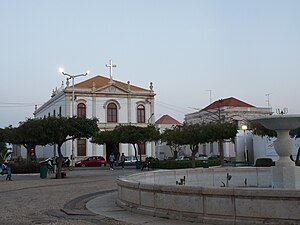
x: 112, y: 113
x: 142, y: 148
x: 81, y: 147
x: 59, y: 111
x: 54, y: 112
x: 141, y: 114
x: 81, y: 110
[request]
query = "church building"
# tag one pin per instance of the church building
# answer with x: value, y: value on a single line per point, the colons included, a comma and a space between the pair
x: 112, y: 102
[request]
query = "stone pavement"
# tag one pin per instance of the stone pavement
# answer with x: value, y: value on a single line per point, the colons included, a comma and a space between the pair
x: 87, y: 196
x: 104, y: 205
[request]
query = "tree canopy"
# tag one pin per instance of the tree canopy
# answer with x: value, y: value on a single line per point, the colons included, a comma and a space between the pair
x: 51, y: 130
x: 130, y: 134
x: 58, y: 130
x: 196, y: 134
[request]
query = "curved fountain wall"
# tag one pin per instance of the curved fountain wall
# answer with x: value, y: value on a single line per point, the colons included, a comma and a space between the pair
x: 248, y: 199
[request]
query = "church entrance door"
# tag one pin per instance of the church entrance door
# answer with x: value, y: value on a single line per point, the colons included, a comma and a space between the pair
x: 111, y: 147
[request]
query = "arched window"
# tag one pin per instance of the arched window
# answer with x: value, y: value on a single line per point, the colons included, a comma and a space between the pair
x: 81, y: 147
x: 81, y: 110
x: 141, y: 114
x: 112, y: 113
x: 54, y: 114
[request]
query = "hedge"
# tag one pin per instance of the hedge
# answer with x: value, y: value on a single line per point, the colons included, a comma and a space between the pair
x: 180, y: 164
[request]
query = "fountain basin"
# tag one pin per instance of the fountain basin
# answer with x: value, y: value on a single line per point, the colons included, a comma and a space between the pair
x: 280, y: 122
x: 202, y: 199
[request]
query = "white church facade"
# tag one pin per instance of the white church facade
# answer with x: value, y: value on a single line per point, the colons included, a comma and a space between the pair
x: 110, y: 101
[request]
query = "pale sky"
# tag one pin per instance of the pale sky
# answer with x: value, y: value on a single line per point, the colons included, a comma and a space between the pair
x: 235, y: 48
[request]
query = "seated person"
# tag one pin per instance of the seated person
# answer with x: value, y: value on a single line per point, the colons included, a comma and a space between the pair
x: 6, y: 170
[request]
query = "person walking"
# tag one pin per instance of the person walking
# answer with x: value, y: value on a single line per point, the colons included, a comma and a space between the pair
x: 6, y: 170
x: 122, y: 160
x: 111, y: 161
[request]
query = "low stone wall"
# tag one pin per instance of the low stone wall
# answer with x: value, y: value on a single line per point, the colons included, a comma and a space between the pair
x: 202, y: 199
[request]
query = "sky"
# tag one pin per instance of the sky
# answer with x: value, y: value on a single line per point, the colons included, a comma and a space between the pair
x: 236, y: 48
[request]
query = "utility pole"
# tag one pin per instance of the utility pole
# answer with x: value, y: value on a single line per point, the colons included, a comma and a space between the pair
x: 209, y: 95
x: 268, y: 99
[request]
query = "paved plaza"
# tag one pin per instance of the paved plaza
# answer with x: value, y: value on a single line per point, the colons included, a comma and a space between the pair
x: 87, y: 196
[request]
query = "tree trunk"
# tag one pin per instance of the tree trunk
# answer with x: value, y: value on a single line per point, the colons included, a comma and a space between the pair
x: 140, y: 153
x: 298, y: 156
x: 135, y: 152
x: 60, y: 159
x: 194, y: 152
x: 175, y: 154
x: 221, y: 150
x: 27, y: 152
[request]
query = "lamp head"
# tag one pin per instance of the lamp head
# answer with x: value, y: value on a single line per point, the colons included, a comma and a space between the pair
x: 87, y: 72
x: 61, y: 70
x: 244, y: 127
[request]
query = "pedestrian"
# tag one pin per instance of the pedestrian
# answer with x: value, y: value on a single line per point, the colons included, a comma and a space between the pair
x: 122, y: 160
x: 6, y: 170
x: 111, y: 160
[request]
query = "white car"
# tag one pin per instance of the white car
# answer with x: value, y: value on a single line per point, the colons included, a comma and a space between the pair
x: 202, y: 157
x: 131, y: 159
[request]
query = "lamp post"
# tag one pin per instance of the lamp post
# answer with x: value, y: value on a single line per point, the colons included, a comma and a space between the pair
x: 73, y: 98
x: 244, y: 128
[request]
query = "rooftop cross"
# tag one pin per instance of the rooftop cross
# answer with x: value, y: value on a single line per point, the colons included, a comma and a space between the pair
x: 110, y: 65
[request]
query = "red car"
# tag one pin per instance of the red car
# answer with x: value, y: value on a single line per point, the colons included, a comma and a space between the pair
x: 91, y: 161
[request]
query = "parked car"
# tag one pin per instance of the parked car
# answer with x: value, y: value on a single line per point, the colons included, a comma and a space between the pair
x: 183, y: 158
x: 130, y: 159
x: 202, y: 157
x: 91, y: 161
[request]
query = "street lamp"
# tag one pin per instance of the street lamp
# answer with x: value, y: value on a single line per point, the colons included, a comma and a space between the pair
x: 244, y: 128
x: 73, y: 77
x: 73, y: 98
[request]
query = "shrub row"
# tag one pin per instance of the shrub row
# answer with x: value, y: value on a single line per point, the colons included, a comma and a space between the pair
x: 30, y: 167
x: 181, y: 164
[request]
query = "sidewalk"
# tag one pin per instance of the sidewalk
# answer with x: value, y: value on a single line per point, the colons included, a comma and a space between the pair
x: 105, y: 206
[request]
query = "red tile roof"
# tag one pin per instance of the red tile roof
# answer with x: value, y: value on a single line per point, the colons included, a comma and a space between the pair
x: 232, y: 102
x: 166, y: 119
x: 101, y: 81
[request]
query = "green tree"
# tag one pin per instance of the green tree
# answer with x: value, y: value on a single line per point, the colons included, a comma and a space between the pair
x: 191, y: 135
x: 220, y: 132
x: 107, y: 137
x: 196, y: 134
x: 29, y: 134
x: 171, y: 136
x: 219, y: 116
x: 59, y: 130
x: 136, y: 135
x: 3, y: 150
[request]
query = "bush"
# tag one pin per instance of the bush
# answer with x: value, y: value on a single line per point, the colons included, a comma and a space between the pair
x: 181, y: 164
x: 25, y: 167
x: 264, y: 162
x: 152, y: 162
